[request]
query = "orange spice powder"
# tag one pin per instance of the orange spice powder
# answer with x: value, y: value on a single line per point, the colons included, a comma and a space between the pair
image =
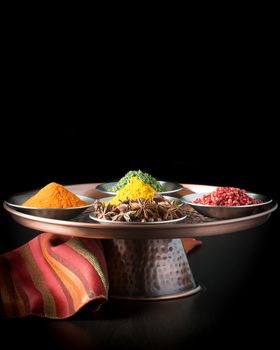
x: 54, y: 196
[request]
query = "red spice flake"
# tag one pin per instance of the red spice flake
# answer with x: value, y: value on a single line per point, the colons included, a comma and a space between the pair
x: 227, y: 196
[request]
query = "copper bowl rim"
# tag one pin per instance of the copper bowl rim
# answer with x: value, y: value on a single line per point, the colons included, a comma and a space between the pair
x: 84, y: 198
x: 136, y: 227
x: 191, y: 203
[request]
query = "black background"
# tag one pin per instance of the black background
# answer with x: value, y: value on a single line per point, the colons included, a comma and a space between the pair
x: 210, y: 122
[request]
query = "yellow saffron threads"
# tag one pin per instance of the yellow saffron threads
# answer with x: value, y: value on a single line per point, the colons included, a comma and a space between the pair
x: 54, y: 196
x: 134, y: 189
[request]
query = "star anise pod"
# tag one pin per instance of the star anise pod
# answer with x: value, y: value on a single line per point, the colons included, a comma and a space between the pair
x: 122, y: 207
x: 122, y: 216
x: 103, y: 211
x: 139, y: 210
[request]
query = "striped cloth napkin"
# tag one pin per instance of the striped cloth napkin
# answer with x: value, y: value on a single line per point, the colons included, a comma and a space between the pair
x: 55, y: 277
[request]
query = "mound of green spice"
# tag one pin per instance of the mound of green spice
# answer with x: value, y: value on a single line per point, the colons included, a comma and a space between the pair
x: 145, y: 177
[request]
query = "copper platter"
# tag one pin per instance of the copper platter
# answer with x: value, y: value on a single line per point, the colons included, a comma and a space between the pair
x: 145, y: 261
x: 195, y: 226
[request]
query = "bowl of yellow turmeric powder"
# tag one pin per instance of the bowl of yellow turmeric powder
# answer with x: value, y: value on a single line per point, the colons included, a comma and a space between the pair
x: 161, y: 187
x: 52, y: 201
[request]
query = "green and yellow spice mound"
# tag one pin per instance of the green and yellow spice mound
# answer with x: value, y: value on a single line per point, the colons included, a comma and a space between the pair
x: 145, y: 177
x: 134, y: 189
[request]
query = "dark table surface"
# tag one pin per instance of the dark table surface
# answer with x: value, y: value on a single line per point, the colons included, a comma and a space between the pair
x: 235, y: 304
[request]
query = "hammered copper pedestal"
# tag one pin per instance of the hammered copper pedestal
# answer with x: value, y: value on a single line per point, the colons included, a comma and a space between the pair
x: 148, y: 269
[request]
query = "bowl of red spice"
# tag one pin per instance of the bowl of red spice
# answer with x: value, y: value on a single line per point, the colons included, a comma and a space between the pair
x: 227, y: 202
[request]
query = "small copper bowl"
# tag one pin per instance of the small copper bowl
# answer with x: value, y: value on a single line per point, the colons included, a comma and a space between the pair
x: 226, y: 212
x: 169, y: 188
x: 51, y: 213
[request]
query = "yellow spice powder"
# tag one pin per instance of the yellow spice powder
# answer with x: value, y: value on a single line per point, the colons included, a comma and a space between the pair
x: 134, y: 189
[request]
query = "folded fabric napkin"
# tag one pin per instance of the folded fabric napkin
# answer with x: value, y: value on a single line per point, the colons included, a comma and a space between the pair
x: 54, y: 277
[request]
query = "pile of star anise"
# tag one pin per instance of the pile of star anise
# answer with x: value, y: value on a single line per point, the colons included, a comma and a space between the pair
x: 139, y: 210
